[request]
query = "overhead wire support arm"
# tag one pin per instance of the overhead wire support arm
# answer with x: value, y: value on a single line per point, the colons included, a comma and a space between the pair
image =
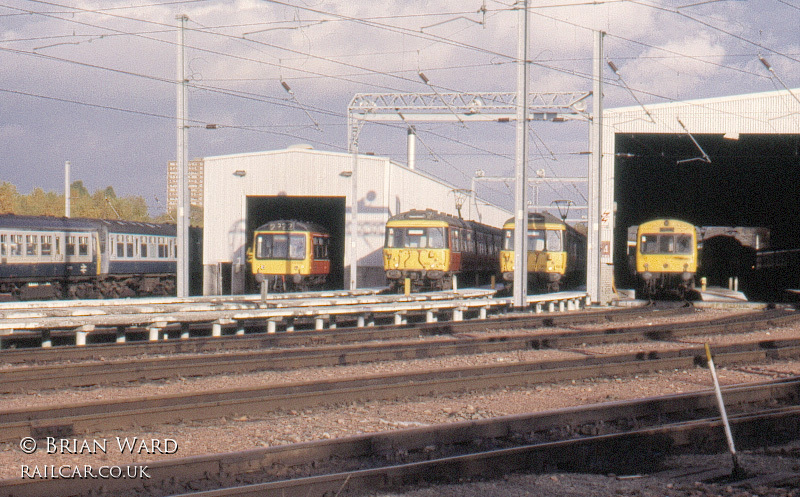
x: 704, y: 158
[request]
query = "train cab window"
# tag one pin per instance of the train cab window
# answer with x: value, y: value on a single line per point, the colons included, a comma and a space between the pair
x: 416, y: 238
x: 536, y: 240
x: 554, y: 241
x: 297, y: 247
x: 508, y: 240
x: 281, y: 246
x: 666, y: 244
x: 436, y: 238
x: 649, y: 244
x: 684, y: 244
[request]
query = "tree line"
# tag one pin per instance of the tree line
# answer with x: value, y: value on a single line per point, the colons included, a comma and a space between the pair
x: 102, y: 204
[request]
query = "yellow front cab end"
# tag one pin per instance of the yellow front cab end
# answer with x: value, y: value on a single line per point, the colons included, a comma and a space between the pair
x: 546, y: 252
x: 281, y: 253
x: 416, y: 249
x: 666, y: 256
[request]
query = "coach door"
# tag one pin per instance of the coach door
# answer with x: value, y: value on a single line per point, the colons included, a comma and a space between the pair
x: 456, y: 247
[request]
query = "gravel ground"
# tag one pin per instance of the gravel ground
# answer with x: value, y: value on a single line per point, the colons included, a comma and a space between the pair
x: 277, y: 428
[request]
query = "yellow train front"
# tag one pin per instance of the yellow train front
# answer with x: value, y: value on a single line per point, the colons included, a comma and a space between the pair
x: 556, y: 253
x: 290, y: 255
x: 431, y: 249
x: 666, y: 257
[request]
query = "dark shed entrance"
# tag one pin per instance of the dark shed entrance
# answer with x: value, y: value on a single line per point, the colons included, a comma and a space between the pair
x: 328, y: 212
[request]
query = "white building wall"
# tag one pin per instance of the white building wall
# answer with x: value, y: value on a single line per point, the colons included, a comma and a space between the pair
x: 383, y: 188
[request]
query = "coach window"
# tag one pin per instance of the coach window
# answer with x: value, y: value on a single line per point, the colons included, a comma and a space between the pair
x: 120, y: 249
x: 47, y: 245
x: 31, y: 245
x: 320, y: 248
x: 143, y: 250
x: 16, y: 245
x: 83, y: 245
x: 3, y: 245
x: 455, y: 235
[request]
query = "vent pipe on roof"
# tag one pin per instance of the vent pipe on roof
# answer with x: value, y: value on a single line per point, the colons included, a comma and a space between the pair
x: 412, y: 147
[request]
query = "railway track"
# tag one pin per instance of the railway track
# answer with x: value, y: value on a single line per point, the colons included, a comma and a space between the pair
x: 82, y: 418
x: 293, y: 351
x: 628, y: 437
x: 344, y: 334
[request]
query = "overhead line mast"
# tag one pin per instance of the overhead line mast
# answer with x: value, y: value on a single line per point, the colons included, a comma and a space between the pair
x: 182, y: 158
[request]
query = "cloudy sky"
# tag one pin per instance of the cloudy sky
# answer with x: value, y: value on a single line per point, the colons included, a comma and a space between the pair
x: 94, y: 82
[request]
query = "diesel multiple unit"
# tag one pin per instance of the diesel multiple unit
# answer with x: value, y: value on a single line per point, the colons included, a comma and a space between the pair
x: 665, y: 258
x: 432, y: 249
x: 290, y: 255
x: 556, y: 253
x: 53, y: 257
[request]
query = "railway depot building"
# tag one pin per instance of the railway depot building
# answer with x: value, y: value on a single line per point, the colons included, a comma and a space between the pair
x: 729, y: 161
x: 245, y: 191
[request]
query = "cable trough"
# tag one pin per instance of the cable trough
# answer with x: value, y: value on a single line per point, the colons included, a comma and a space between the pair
x: 158, y: 318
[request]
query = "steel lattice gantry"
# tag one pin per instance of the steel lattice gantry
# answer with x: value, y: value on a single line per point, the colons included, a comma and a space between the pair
x: 470, y: 106
x: 447, y: 107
